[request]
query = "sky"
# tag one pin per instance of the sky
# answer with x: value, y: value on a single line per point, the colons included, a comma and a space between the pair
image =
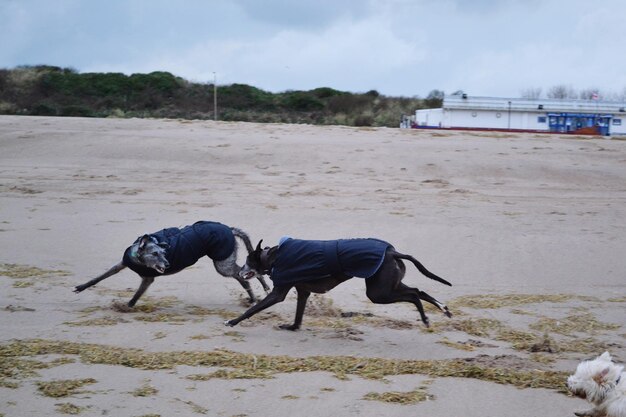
x: 499, y: 48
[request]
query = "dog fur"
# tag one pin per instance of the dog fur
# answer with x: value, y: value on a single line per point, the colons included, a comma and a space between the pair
x: 383, y: 287
x: 603, y: 383
x: 150, y: 259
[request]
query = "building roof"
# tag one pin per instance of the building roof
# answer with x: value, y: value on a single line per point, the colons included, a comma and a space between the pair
x: 523, y: 104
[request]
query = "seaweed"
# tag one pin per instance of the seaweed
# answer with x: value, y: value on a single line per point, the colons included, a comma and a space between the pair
x: 492, y: 301
x: 263, y: 365
x: 26, y: 271
x: 404, y: 398
x: 581, y: 323
x: 69, y: 408
x: 146, y: 390
x: 232, y: 374
x: 63, y: 387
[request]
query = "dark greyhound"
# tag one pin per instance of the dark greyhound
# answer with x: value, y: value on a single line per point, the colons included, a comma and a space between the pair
x: 319, y: 266
x: 171, y: 250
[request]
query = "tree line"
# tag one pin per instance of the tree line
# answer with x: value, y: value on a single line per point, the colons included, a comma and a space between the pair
x: 564, y: 91
x: 54, y: 91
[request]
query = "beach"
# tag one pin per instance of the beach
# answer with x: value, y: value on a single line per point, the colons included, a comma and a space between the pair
x: 530, y: 230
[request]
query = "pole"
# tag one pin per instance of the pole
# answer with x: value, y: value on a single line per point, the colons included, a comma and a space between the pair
x: 214, y: 96
x: 509, y: 124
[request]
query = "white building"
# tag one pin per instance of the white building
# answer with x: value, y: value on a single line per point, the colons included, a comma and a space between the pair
x: 518, y: 114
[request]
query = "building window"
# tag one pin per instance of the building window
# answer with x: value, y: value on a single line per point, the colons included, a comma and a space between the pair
x: 617, y: 122
x: 541, y: 119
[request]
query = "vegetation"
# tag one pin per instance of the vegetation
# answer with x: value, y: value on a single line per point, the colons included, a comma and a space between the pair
x: 564, y: 91
x: 54, y: 91
x: 264, y: 366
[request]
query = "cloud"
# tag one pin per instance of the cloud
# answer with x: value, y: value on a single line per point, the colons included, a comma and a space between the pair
x: 398, y: 47
x: 347, y: 55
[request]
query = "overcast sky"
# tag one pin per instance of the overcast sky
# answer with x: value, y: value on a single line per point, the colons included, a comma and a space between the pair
x: 398, y: 47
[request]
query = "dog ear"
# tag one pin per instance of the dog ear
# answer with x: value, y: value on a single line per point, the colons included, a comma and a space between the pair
x: 258, y: 247
x: 600, y: 376
x: 606, y: 356
x: 145, y: 239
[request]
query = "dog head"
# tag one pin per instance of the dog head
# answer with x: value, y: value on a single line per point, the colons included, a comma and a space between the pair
x: 258, y: 262
x: 147, y: 251
x: 595, y: 378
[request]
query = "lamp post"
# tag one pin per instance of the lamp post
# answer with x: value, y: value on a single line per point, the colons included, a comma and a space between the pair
x: 214, y: 96
x: 509, y: 124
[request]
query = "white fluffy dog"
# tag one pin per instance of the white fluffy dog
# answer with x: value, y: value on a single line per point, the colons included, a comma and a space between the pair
x: 602, y: 383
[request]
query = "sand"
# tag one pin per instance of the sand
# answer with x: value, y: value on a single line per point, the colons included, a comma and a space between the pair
x: 499, y: 215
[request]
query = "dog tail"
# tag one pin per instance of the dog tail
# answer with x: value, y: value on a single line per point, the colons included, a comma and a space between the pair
x: 244, y: 237
x: 420, y: 267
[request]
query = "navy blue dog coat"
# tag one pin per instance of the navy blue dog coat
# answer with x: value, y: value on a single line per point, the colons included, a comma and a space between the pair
x: 305, y: 260
x: 187, y: 246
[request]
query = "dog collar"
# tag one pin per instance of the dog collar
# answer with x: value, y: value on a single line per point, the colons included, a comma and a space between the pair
x: 133, y: 253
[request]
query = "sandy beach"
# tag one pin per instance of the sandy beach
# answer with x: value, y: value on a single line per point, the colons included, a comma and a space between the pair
x: 530, y: 229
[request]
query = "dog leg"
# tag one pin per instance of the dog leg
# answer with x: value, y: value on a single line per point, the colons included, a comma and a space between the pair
x: 436, y: 303
x: 403, y: 293
x: 303, y: 296
x: 386, y: 287
x: 589, y: 413
x: 411, y: 295
x: 246, y: 286
x: 276, y: 296
x: 145, y: 283
x: 114, y: 270
x: 264, y: 284
x: 229, y: 268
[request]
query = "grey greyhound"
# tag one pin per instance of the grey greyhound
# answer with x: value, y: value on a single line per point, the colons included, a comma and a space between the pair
x: 171, y: 250
x: 320, y: 265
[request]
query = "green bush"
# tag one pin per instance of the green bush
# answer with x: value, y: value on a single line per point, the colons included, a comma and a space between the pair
x: 56, y: 91
x: 301, y: 101
x: 365, y: 119
x: 76, y: 111
x: 44, y: 109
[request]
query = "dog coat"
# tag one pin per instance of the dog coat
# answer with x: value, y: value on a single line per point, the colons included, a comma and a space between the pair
x: 187, y: 246
x: 305, y: 260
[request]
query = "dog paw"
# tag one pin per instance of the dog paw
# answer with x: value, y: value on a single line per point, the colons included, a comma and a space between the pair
x: 291, y: 327
x: 228, y: 323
